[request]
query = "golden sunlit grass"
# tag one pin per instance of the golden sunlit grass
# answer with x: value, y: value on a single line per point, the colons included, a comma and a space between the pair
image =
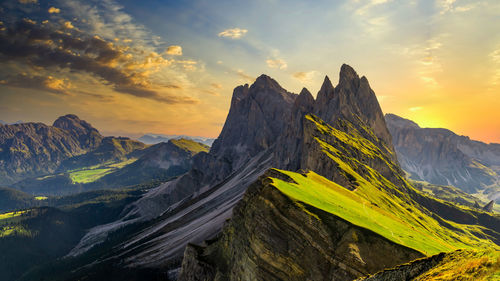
x: 466, y: 266
x: 11, y: 214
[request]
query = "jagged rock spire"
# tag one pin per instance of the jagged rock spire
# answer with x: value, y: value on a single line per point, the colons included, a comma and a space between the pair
x: 325, y: 92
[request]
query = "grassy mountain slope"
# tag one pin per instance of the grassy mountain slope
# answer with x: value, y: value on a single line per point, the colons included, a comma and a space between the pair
x: 362, y: 191
x: 379, y: 212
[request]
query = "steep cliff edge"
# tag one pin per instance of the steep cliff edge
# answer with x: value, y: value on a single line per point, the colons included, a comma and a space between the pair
x: 273, y: 237
x: 356, y: 221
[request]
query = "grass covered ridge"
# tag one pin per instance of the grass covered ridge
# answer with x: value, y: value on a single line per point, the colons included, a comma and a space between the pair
x: 376, y: 203
x: 190, y: 145
x: 405, y: 226
x: 466, y: 265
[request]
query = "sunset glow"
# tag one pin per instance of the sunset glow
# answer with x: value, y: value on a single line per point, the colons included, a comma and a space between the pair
x: 134, y: 67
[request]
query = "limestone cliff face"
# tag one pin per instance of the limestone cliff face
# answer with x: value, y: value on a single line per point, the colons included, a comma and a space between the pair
x: 350, y: 106
x: 270, y: 237
x: 352, y: 100
x: 256, y: 118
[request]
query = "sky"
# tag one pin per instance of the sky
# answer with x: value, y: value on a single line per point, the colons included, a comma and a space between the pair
x: 169, y: 67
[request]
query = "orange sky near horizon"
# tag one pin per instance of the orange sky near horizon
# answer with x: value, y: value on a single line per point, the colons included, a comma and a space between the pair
x: 169, y: 67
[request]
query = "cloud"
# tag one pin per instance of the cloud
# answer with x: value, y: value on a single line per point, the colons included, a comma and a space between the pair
x: 28, y: 1
x: 174, y: 50
x: 54, y: 10
x: 68, y: 25
x: 429, y: 81
x: 276, y: 63
x: 495, y: 55
x: 48, y: 47
x: 216, y: 85
x: 415, y: 108
x: 304, y: 76
x: 48, y: 84
x: 244, y: 75
x: 234, y: 33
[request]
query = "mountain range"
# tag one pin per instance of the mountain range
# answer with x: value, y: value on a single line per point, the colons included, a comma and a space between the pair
x: 294, y: 188
x: 72, y: 156
x: 151, y: 138
x: 442, y: 157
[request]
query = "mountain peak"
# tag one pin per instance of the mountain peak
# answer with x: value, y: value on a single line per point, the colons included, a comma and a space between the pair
x: 347, y: 72
x: 67, y: 119
x: 400, y: 122
x: 305, y: 99
x: 324, y: 92
x: 81, y: 129
x: 264, y: 81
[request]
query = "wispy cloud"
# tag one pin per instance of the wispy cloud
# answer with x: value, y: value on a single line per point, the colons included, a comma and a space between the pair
x: 234, y: 33
x: 246, y: 77
x: 276, y: 63
x: 174, y: 50
x: 305, y: 76
x: 495, y: 57
x: 415, y: 108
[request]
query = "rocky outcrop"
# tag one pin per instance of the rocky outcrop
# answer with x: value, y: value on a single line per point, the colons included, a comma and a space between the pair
x: 439, y: 156
x: 217, y: 179
x: 457, y: 265
x: 353, y: 100
x: 489, y: 207
x: 271, y: 237
x: 87, y: 135
x: 407, y: 271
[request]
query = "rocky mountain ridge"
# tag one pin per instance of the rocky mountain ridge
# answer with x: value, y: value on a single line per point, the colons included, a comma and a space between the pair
x: 442, y: 157
x: 269, y: 127
x: 32, y: 149
x: 151, y: 138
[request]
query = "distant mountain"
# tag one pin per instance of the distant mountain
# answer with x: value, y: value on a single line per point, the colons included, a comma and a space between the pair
x: 161, y: 161
x: 442, y: 157
x: 157, y: 138
x: 117, y: 163
x: 111, y: 149
x: 13, y: 123
x: 32, y: 149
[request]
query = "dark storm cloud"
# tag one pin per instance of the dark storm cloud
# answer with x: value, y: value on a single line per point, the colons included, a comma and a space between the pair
x: 50, y: 46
